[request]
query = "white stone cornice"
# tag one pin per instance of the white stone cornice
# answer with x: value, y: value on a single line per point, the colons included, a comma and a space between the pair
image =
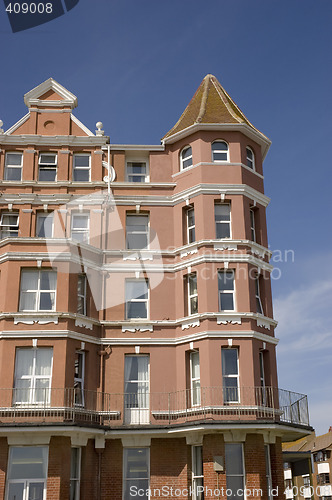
x: 52, y: 140
x: 134, y: 341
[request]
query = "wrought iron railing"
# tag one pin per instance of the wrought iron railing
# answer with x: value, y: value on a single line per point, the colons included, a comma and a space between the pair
x: 145, y: 408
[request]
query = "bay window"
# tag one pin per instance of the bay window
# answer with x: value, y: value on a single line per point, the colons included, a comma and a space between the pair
x: 137, y: 299
x: 226, y: 290
x: 137, y: 231
x: 235, y: 480
x: 222, y: 217
x: 136, y: 473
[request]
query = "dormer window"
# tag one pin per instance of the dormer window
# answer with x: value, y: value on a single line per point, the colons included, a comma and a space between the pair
x: 137, y: 171
x: 250, y: 158
x: 47, y: 167
x: 186, y: 158
x: 220, y: 151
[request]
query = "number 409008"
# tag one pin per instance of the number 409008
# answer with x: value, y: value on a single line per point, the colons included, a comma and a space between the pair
x: 31, y: 8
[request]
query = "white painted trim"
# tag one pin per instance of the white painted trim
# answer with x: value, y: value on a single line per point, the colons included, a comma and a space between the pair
x: 137, y: 147
x: 32, y: 97
x: 16, y: 125
x: 82, y: 126
x: 60, y: 334
x: 53, y: 140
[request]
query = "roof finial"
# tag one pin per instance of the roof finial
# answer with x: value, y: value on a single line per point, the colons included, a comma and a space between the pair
x: 99, y: 130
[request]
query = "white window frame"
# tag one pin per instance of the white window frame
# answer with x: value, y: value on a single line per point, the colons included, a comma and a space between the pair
x: 190, y: 277
x: 144, y: 232
x: 38, y: 290
x: 33, y: 378
x: 26, y: 482
x: 191, y: 227
x: 77, y: 230
x: 9, y: 166
x: 218, y: 151
x: 11, y: 228
x: 124, y: 468
x: 228, y: 223
x: 184, y: 160
x: 76, y: 155
x: 259, y: 305
x: 269, y: 484
x: 195, y: 382
x: 79, y: 380
x: 197, y: 479
x: 225, y: 376
x: 250, y: 162
x: 243, y: 475
x: 43, y: 215
x: 48, y: 165
x: 144, y: 176
x: 76, y: 480
x: 82, y: 295
x: 146, y: 300
x: 221, y: 292
x: 253, y: 224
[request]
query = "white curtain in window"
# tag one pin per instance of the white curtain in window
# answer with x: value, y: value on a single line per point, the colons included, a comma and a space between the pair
x: 44, y: 362
x: 24, y: 362
x: 143, y: 371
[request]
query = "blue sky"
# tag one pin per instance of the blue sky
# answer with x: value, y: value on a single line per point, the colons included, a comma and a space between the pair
x: 135, y: 64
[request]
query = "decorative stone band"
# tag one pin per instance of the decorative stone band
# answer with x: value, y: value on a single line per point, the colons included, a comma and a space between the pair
x: 137, y: 328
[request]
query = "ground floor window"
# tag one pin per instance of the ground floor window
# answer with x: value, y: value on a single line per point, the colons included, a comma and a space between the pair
x: 136, y: 473
x: 197, y: 472
x: 75, y: 473
x: 27, y: 473
x: 235, y: 470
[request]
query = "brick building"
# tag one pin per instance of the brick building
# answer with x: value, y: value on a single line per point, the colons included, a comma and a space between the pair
x: 137, y: 334
x: 307, y: 467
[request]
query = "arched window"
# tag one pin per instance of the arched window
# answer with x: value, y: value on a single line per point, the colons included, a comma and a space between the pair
x: 250, y: 158
x: 220, y: 151
x: 186, y: 157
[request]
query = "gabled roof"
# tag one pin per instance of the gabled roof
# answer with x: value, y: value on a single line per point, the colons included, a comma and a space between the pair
x: 51, y: 94
x: 211, y: 106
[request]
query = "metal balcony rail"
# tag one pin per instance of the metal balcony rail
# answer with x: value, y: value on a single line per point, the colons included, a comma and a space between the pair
x: 141, y: 407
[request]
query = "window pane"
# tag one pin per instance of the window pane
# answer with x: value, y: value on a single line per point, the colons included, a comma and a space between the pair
x: 220, y: 156
x: 223, y: 230
x: 186, y: 153
x: 44, y: 358
x: 230, y: 362
x: 235, y: 484
x: 220, y: 146
x: 48, y: 280
x: 46, y: 301
x: 24, y: 362
x: 137, y: 310
x: 222, y: 212
x: 192, y: 285
x: 15, y: 491
x: 28, y: 462
x: 13, y: 159
x: 81, y: 160
x: 36, y: 491
x: 137, y: 462
x: 44, y: 226
x: 13, y: 174
x: 74, y: 463
x: 82, y: 175
x: 136, y: 290
x: 195, y: 365
x: 47, y: 159
x: 193, y: 305
x: 80, y: 222
x: 28, y: 301
x: 137, y: 241
x: 233, y: 458
x: 226, y: 280
x: 9, y: 220
x: 29, y: 280
x: 137, y: 222
x: 226, y: 302
x: 47, y: 174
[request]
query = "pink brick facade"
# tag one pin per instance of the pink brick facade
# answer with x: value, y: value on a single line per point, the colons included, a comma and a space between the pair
x: 97, y: 376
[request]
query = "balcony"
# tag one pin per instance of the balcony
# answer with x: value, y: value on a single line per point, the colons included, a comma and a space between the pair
x: 212, y: 404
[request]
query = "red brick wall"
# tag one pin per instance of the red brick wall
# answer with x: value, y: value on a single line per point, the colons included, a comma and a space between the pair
x: 169, y: 459
x: 58, y: 481
x: 213, y: 445
x: 277, y: 469
x: 254, y: 462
